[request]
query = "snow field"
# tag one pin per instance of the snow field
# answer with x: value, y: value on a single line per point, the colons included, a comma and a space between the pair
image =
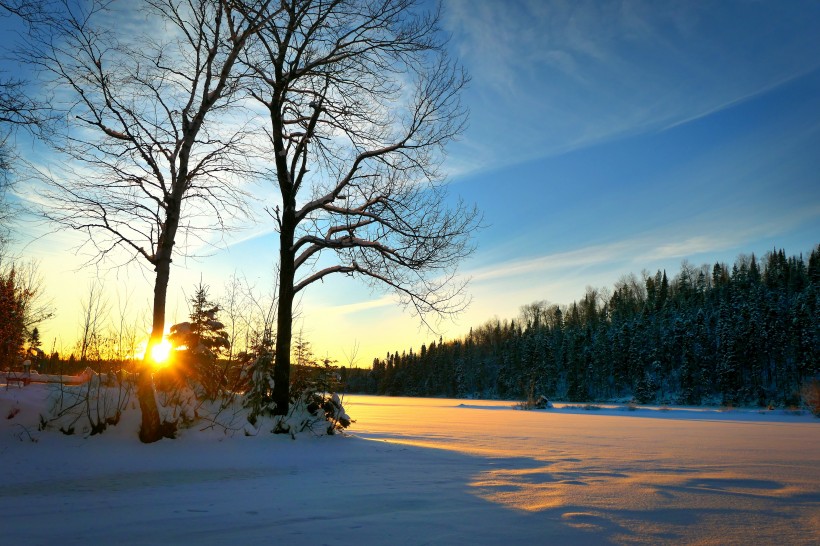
x: 421, y: 471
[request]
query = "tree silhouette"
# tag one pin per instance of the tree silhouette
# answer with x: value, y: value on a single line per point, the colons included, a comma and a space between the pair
x: 362, y: 101
x: 148, y: 131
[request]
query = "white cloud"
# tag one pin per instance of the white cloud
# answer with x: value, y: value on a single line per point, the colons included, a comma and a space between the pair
x: 649, y: 249
x: 591, y: 255
x: 352, y: 308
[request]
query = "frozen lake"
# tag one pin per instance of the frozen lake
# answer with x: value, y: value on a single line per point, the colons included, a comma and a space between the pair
x: 644, y: 476
x: 427, y: 471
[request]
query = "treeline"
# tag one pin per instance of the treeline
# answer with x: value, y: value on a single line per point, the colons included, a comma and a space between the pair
x: 745, y: 335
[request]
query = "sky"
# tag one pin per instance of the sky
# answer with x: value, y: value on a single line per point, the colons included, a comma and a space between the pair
x: 605, y: 138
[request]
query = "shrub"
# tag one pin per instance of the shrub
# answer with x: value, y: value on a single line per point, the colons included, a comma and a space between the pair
x: 810, y: 396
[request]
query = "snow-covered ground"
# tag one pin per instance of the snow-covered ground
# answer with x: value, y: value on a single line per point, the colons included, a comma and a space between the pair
x: 421, y: 471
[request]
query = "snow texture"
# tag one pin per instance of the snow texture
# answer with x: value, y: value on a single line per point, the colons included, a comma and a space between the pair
x: 420, y: 471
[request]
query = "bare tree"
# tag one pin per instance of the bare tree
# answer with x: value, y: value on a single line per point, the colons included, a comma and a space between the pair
x: 30, y: 11
x: 362, y: 100
x: 152, y: 131
x: 124, y: 332
x: 536, y: 314
x: 17, y: 109
x: 235, y: 304
x: 94, y: 312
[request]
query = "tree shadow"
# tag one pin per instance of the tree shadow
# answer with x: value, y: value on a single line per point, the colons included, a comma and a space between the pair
x: 352, y: 490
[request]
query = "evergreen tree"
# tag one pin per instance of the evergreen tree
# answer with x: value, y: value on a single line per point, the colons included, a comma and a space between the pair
x: 749, y: 334
x: 258, y: 397
x: 12, y: 318
x: 199, y: 344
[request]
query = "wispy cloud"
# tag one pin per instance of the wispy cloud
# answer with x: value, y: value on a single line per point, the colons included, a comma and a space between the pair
x: 567, y: 75
x: 646, y: 249
x: 583, y: 257
x: 688, y: 247
x: 248, y: 236
x: 352, y: 308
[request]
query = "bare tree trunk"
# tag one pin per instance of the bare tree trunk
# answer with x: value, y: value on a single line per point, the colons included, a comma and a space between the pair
x: 150, y: 428
x: 284, y: 317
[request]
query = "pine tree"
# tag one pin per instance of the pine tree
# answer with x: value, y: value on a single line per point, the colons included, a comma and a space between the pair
x: 258, y: 370
x: 728, y: 366
x: 646, y: 388
x: 12, y: 318
x: 199, y: 344
x: 34, y: 341
x: 813, y: 272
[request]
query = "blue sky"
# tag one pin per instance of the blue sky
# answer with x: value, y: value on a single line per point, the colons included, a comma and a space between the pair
x: 605, y: 138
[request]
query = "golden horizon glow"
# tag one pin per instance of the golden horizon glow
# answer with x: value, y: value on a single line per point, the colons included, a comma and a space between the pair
x: 160, y: 353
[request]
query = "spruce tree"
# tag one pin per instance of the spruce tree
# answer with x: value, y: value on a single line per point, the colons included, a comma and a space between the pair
x: 199, y: 344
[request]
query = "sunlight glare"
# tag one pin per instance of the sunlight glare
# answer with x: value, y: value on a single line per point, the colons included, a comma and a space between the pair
x: 160, y: 353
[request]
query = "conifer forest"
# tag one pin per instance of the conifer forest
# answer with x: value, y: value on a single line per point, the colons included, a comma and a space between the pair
x: 748, y: 334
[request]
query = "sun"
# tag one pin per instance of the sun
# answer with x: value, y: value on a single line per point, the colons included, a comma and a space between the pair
x: 160, y: 353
